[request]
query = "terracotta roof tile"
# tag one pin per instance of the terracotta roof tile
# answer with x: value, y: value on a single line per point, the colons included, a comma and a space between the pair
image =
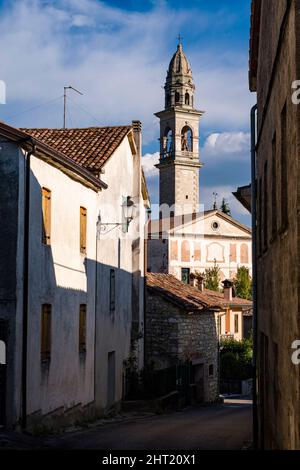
x: 236, y: 301
x: 186, y: 296
x: 189, y: 297
x: 88, y: 147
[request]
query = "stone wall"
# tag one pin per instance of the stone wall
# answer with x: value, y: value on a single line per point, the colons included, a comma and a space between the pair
x: 174, y: 335
x: 278, y: 226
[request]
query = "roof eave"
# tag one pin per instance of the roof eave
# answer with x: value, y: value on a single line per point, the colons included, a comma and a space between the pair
x: 254, y: 44
x: 26, y: 141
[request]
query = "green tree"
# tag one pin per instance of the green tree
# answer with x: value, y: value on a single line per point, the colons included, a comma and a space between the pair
x: 236, y: 359
x: 212, y: 278
x: 243, y: 284
x: 225, y: 207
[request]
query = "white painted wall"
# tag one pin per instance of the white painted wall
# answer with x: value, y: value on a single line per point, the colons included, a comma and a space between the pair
x: 61, y: 276
x: 214, y: 245
x: 115, y: 251
x: 237, y: 336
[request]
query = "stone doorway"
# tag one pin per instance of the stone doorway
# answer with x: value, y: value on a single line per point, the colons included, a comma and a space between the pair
x: 198, y: 370
x: 111, y: 378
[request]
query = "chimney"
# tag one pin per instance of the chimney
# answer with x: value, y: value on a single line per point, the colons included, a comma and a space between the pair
x: 200, y: 283
x: 137, y: 135
x: 227, y: 289
x: 193, y: 280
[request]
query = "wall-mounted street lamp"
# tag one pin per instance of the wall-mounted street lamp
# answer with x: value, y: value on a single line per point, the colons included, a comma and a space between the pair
x: 127, y: 212
x: 127, y: 216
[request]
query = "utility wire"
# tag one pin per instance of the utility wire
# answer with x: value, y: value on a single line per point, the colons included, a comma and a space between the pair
x: 35, y: 107
x: 85, y: 111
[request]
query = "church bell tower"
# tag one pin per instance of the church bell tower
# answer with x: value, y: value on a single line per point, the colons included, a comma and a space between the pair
x: 179, y: 162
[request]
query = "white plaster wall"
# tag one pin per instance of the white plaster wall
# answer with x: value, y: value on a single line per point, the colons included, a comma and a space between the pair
x: 212, y: 244
x: 61, y: 276
x: 227, y: 266
x: 115, y: 251
x: 237, y: 336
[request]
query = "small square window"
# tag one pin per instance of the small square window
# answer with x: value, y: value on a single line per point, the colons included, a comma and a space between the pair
x: 112, y: 291
x: 46, y: 333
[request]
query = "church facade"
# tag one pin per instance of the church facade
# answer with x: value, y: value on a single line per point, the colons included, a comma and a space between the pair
x: 185, y: 239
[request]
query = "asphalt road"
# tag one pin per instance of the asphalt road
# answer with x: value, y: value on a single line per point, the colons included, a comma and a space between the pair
x: 218, y: 427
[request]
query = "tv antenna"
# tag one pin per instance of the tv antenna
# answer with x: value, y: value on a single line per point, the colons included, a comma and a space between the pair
x: 65, y: 100
x: 215, y: 195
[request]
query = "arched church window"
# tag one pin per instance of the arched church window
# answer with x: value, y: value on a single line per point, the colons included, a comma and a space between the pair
x: 187, y: 139
x: 187, y: 99
x: 177, y: 97
x: 168, y: 142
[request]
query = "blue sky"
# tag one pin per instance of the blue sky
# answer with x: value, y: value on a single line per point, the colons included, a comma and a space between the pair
x: 117, y: 53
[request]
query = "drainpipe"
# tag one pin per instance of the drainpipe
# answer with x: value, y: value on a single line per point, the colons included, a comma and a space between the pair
x: 254, y: 269
x: 146, y: 232
x: 95, y: 311
x: 26, y: 285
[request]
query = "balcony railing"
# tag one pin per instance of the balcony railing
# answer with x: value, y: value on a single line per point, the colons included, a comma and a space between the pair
x: 224, y: 337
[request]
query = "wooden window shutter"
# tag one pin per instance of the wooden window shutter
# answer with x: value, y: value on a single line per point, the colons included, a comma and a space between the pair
x: 46, y: 210
x: 236, y: 323
x: 83, y: 221
x: 46, y: 332
x: 112, y: 289
x: 227, y: 322
x: 82, y: 328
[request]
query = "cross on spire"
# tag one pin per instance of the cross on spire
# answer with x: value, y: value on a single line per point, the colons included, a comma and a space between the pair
x: 179, y: 37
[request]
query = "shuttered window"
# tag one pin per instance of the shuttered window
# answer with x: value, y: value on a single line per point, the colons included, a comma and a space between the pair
x: 112, y: 289
x: 46, y: 209
x: 46, y: 332
x: 236, y: 323
x: 227, y: 322
x: 82, y: 328
x: 83, y: 219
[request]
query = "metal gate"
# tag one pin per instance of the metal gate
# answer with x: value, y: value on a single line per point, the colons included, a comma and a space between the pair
x: 3, y: 366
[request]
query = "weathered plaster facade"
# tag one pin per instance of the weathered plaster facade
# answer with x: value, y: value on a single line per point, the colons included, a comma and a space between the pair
x: 71, y: 385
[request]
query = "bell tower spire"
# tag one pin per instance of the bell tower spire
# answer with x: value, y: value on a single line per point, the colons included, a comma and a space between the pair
x: 179, y: 139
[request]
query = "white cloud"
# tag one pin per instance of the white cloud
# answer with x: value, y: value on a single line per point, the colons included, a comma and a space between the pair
x: 148, y: 162
x: 226, y: 147
x: 82, y: 20
x: 119, y: 63
x: 207, y: 198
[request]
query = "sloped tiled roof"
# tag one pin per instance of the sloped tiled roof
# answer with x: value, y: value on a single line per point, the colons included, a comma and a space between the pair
x: 88, y: 147
x: 27, y: 141
x: 236, y: 301
x: 189, y: 297
x: 184, y: 295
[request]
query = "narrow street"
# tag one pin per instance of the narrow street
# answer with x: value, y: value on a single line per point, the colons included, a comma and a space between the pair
x: 226, y: 426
